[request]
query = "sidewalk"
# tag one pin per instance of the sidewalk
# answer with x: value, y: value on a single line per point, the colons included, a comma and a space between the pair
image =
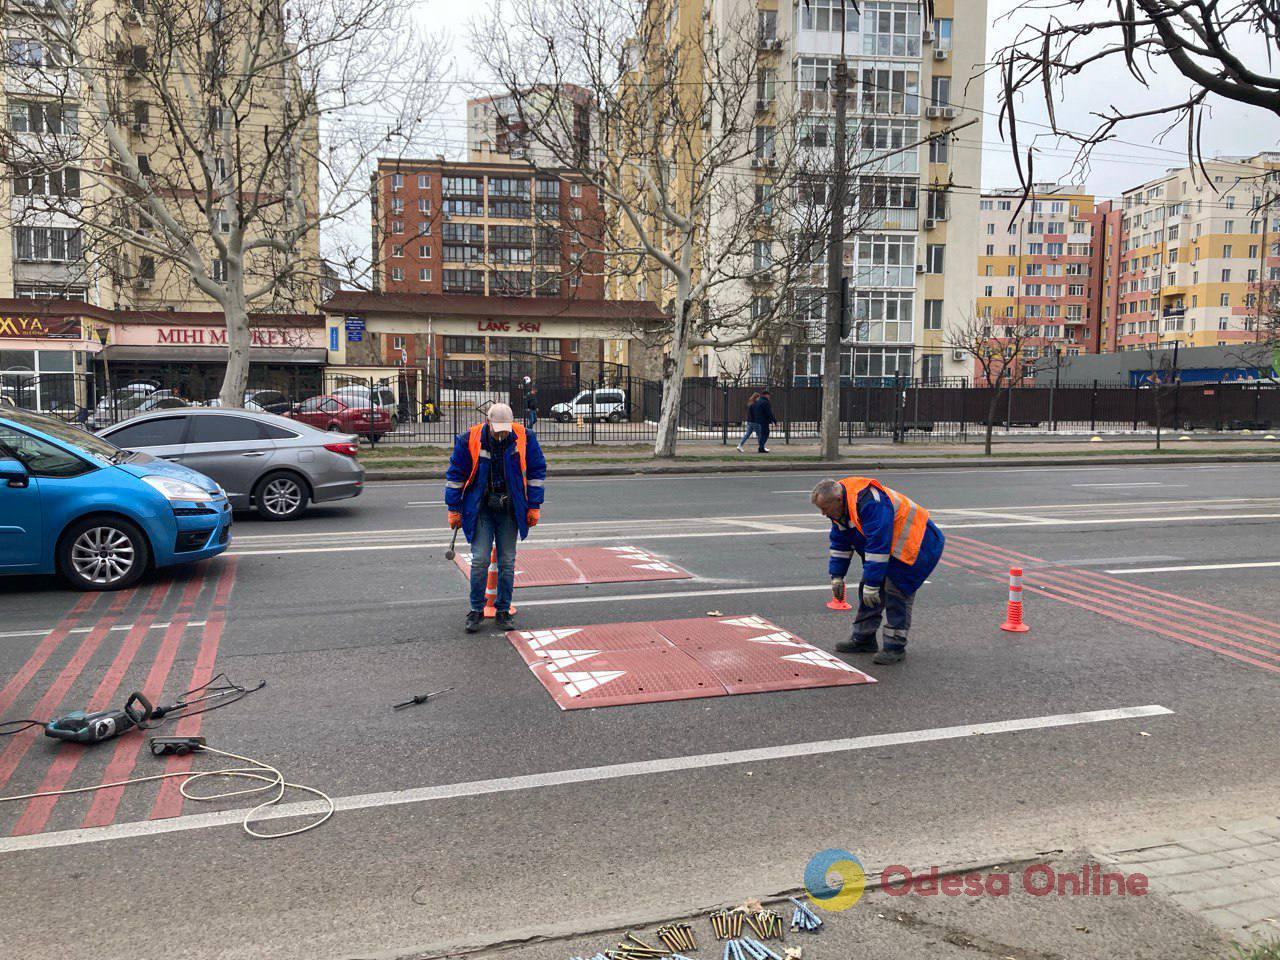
x: 1207, y: 891
x: 418, y: 463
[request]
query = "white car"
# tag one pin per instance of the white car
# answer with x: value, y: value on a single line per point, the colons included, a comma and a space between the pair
x: 358, y: 395
x: 609, y: 404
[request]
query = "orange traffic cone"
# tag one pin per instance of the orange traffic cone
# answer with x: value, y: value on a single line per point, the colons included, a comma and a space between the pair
x: 491, y: 587
x: 1013, y: 617
x: 838, y: 602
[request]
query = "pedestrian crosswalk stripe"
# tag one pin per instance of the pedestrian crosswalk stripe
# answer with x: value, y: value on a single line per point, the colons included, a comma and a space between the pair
x: 818, y: 658
x: 781, y: 638
x: 748, y: 622
x: 579, y: 683
x: 540, y: 638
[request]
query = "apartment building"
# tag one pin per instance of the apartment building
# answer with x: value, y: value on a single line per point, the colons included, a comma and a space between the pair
x: 72, y: 230
x: 1193, y: 257
x: 1038, y: 271
x: 497, y: 131
x: 504, y: 233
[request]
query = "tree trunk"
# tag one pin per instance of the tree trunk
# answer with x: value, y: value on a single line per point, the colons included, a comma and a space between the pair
x: 991, y: 417
x: 1155, y: 397
x: 673, y: 384
x: 236, y: 379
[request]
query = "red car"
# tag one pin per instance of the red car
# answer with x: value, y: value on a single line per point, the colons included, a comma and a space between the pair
x: 330, y: 413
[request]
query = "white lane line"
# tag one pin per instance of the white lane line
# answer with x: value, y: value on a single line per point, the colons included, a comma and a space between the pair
x: 562, y: 778
x: 1199, y: 566
x: 122, y: 626
x: 1154, y: 483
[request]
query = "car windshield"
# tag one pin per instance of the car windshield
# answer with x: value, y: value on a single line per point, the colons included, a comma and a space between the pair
x: 67, y: 433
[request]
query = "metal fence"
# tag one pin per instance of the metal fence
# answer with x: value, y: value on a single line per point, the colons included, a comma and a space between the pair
x: 415, y: 408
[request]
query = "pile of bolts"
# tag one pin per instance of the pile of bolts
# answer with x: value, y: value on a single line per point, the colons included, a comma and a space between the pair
x: 727, y: 925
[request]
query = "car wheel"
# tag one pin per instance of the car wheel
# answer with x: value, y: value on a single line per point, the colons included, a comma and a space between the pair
x: 334, y: 428
x: 564, y: 417
x: 280, y: 496
x: 103, y: 553
x: 614, y: 417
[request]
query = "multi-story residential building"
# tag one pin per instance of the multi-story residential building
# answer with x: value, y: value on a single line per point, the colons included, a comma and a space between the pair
x: 496, y: 132
x: 912, y: 265
x: 502, y: 231
x: 67, y: 194
x: 1038, y: 270
x: 1192, y: 256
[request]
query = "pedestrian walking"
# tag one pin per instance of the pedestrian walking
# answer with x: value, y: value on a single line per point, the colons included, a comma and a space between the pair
x: 765, y: 418
x: 899, y: 546
x: 752, y: 427
x: 493, y: 490
x: 530, y: 403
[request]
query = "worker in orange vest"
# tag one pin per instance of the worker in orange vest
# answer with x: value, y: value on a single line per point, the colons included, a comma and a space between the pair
x: 494, y: 492
x: 899, y: 546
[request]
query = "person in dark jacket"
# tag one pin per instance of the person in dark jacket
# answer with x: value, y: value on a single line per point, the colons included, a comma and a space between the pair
x: 753, y: 428
x: 530, y: 403
x: 761, y: 413
x: 493, y: 490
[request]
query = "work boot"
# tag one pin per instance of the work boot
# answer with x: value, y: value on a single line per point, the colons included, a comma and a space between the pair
x: 887, y: 655
x: 856, y: 644
x: 503, y: 620
x: 474, y: 619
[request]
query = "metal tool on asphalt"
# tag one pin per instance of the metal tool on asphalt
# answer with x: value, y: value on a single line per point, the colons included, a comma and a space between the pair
x: 420, y: 698
x: 803, y: 918
x: 838, y: 602
x: 83, y: 726
x: 1013, y: 617
x: 677, y: 937
x: 451, y: 553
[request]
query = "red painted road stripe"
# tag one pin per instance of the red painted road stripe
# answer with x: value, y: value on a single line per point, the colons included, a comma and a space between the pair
x: 169, y: 802
x: 37, y: 812
x: 44, y: 649
x: 1137, y: 601
x: 1116, y: 612
x: 105, y: 802
x: 53, y: 697
x: 1261, y: 626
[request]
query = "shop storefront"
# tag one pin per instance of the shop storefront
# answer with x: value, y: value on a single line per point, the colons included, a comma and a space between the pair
x: 44, y: 360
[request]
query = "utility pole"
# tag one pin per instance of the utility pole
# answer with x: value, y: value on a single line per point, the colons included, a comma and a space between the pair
x: 835, y: 266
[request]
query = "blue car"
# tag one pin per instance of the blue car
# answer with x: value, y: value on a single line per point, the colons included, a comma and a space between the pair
x: 75, y: 504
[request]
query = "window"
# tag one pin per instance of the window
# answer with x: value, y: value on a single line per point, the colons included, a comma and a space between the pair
x: 991, y: 251
x: 397, y: 250
x: 767, y: 25
x: 575, y: 190
x: 1226, y: 276
x: 30, y: 182
x: 762, y: 255
x: 1226, y: 251
x: 934, y: 257
x: 891, y: 29
x: 397, y: 273
x: 424, y: 181
x: 424, y: 251
x: 942, y: 33
x: 940, y: 152
x: 220, y: 428
x: 48, y: 244
x: 152, y: 433
x: 397, y: 205
x: 940, y: 92
x: 829, y: 16
x: 886, y: 261
x: 397, y: 226
x: 1224, y: 300
x: 884, y: 316
x: 764, y: 148
x: 890, y: 88
x: 30, y: 117
x: 424, y: 274
x: 424, y: 206
x: 933, y: 314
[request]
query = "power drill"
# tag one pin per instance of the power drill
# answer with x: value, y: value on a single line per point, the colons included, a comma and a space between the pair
x: 81, y: 727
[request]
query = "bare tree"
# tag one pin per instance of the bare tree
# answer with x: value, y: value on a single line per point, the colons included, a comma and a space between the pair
x: 1058, y: 54
x: 198, y: 148
x: 1161, y: 378
x: 999, y: 354
x: 715, y: 175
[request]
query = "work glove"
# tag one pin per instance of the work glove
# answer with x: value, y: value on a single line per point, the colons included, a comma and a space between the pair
x: 531, y: 518
x: 870, y: 595
x: 837, y: 587
x: 455, y: 520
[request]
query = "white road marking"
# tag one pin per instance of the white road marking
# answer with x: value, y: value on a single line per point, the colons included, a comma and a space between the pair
x: 563, y: 778
x: 122, y: 626
x: 1199, y: 566
x: 676, y: 594
x: 1153, y: 483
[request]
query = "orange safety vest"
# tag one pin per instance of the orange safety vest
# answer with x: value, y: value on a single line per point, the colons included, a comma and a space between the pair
x: 910, y: 520
x: 522, y: 448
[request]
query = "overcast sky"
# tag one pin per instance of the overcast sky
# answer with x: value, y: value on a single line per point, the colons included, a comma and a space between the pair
x: 1137, y: 156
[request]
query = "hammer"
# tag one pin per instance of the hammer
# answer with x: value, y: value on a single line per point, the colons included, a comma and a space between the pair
x: 451, y: 553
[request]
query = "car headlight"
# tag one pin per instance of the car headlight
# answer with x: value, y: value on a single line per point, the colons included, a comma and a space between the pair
x: 173, y: 489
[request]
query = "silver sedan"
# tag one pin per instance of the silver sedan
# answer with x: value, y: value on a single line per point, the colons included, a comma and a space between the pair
x: 268, y: 463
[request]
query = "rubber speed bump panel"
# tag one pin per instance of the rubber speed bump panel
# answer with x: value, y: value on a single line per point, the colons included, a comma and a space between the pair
x: 613, y: 664
x: 564, y: 566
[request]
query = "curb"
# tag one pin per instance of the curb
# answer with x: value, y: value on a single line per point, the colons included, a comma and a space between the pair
x: 817, y: 466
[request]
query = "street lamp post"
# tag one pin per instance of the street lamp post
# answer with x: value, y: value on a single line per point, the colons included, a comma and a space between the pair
x: 102, y: 333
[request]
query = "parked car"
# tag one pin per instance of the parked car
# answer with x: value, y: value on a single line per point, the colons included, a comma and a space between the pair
x: 383, y: 397
x: 264, y: 462
x: 327, y: 412
x: 7, y: 402
x: 75, y: 504
x: 609, y: 404
x: 263, y: 401
x: 136, y: 405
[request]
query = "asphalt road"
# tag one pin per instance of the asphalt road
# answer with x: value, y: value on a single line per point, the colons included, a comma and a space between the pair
x: 491, y: 814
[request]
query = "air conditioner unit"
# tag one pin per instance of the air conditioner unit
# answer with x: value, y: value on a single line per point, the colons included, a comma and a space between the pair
x: 957, y: 355
x: 927, y: 36
x: 940, y: 54
x: 446, y: 216
x: 775, y: 45
x: 933, y: 113
x: 133, y: 17
x: 930, y: 223
x: 762, y: 106
x: 919, y: 268
x: 142, y: 283
x: 950, y: 113
x: 140, y: 127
